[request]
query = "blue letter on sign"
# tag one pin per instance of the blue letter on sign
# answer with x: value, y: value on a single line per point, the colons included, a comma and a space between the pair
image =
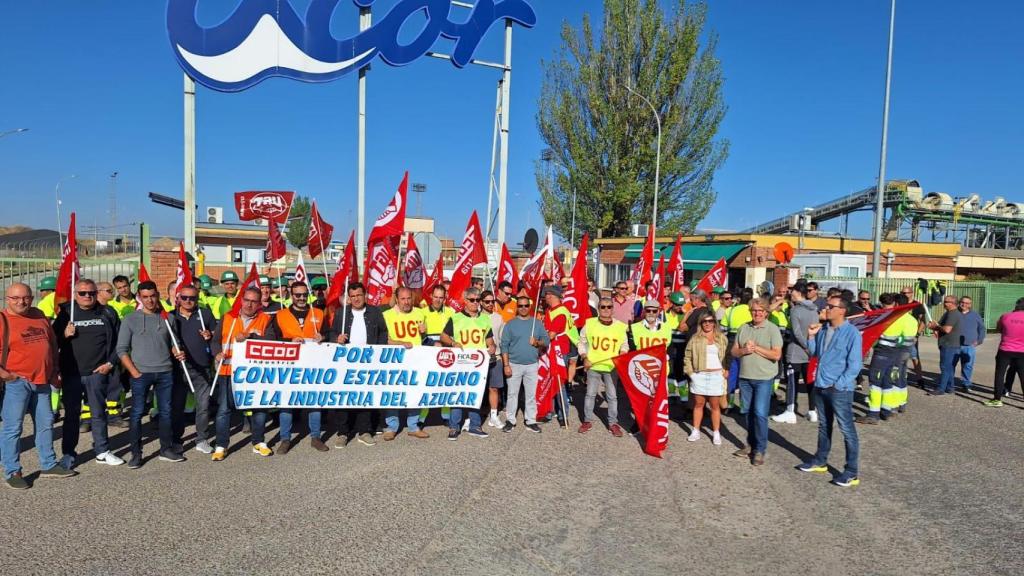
x: 264, y: 38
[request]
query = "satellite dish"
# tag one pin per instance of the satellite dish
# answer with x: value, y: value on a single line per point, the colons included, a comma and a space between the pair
x: 766, y: 289
x: 530, y: 241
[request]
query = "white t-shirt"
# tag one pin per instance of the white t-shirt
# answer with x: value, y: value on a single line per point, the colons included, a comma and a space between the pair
x: 712, y: 362
x: 358, y: 334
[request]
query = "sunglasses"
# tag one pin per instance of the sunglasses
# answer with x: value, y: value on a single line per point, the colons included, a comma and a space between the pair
x: 726, y: 298
x: 87, y: 293
x: 605, y: 307
x: 506, y: 293
x: 620, y: 288
x: 652, y: 310
x: 187, y: 298
x: 707, y: 321
x: 300, y: 294
x: 522, y: 305
x: 472, y: 299
x: 488, y: 301
x: 829, y: 306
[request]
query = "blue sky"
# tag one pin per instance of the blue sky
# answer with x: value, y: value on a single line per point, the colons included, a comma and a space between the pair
x: 98, y: 87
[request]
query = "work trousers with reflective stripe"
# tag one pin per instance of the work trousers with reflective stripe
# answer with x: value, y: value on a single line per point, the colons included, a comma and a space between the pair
x: 885, y: 394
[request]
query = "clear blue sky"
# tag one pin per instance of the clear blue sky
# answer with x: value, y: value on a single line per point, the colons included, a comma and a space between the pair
x: 98, y: 87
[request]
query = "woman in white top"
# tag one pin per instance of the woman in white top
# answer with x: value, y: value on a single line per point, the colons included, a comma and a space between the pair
x: 705, y: 363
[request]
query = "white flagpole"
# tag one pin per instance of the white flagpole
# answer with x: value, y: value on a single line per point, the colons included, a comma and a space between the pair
x: 184, y: 368
x: 71, y: 305
x: 216, y: 374
x: 344, y: 305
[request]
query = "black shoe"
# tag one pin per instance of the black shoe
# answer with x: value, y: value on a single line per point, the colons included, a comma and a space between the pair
x: 533, y: 427
x: 477, y: 433
x: 17, y: 482
x: 902, y: 409
x: 508, y: 427
x: 453, y: 434
x: 135, y: 462
x: 545, y: 419
x: 57, y: 471
x: 866, y: 420
x: 169, y: 456
x: 561, y: 422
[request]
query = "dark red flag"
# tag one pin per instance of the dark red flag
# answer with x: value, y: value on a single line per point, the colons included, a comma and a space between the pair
x: 320, y: 233
x: 714, y: 277
x: 253, y: 279
x: 471, y: 253
x: 507, y: 269
x: 269, y: 205
x: 435, y: 278
x: 413, y: 272
x: 391, y: 222
x: 575, y: 298
x: 276, y: 245
x: 643, y: 374
x: 552, y: 373
x: 675, y: 266
x: 183, y: 275
x: 642, y: 271
x: 69, y: 272
x: 871, y: 325
x: 347, y: 272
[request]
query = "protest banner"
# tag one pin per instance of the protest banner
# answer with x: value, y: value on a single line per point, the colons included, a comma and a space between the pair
x: 324, y: 376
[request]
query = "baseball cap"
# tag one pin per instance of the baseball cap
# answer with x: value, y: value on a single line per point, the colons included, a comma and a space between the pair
x: 553, y: 289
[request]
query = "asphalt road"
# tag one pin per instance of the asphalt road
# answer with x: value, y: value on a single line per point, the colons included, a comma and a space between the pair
x: 940, y: 494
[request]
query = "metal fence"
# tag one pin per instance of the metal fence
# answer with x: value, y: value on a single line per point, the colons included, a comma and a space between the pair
x: 32, y: 270
x: 991, y: 299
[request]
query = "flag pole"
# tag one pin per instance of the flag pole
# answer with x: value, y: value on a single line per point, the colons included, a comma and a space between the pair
x: 216, y: 374
x: 71, y: 305
x: 344, y: 304
x: 184, y: 368
x: 559, y: 382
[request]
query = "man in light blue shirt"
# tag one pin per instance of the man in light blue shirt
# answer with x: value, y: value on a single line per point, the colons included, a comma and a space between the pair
x: 837, y: 348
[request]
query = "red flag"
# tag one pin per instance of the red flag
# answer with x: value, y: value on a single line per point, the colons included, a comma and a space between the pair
x: 347, y: 272
x: 391, y: 222
x: 276, y: 246
x: 269, y: 205
x: 183, y: 275
x: 143, y: 277
x: 69, y: 272
x: 533, y: 270
x: 643, y: 374
x: 471, y: 253
x: 320, y: 233
x: 413, y: 272
x: 253, y: 279
x: 551, y: 374
x: 506, y: 269
x: 675, y: 266
x: 575, y: 299
x: 657, y: 292
x: 715, y: 277
x: 300, y: 270
x: 871, y: 325
x: 642, y: 271
x: 557, y: 272
x: 435, y: 278
x: 381, y: 270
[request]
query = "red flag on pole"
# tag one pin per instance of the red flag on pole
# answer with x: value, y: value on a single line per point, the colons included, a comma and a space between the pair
x: 642, y: 271
x: 657, y: 292
x: 557, y: 272
x: 143, y: 277
x: 552, y: 372
x: 183, y: 275
x: 391, y: 222
x: 253, y: 279
x: 269, y: 205
x: 471, y: 253
x: 643, y: 374
x: 435, y: 278
x: 675, y: 266
x: 575, y: 299
x: 533, y: 270
x: 413, y: 272
x: 381, y: 270
x: 347, y: 271
x: 507, y: 269
x: 276, y: 246
x: 871, y: 325
x: 714, y: 277
x: 69, y: 272
x: 320, y: 233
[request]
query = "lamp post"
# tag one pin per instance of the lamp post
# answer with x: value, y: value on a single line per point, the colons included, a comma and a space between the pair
x: 657, y: 161
x: 15, y: 131
x: 880, y: 200
x: 56, y: 195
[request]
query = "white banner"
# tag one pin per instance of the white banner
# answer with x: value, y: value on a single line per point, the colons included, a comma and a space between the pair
x: 293, y: 375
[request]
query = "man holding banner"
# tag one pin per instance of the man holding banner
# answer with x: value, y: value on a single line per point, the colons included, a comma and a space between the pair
x: 469, y: 330
x: 405, y: 328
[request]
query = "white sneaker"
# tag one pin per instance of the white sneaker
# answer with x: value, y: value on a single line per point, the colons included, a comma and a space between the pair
x: 786, y: 417
x: 812, y: 415
x: 204, y: 447
x: 494, y: 421
x: 109, y: 458
x: 716, y: 439
x: 694, y: 435
x: 465, y: 425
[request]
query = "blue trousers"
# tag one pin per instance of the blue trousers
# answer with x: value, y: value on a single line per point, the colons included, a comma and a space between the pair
x: 836, y: 406
x: 760, y: 394
x: 21, y: 396
x: 162, y: 383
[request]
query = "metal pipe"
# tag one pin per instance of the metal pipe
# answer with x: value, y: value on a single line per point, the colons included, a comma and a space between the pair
x: 190, y: 164
x: 365, y: 20
x: 879, y: 201
x: 657, y: 161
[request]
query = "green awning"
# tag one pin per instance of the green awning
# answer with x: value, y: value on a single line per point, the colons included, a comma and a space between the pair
x: 695, y: 256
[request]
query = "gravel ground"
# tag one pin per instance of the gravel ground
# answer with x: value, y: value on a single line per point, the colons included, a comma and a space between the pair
x: 940, y: 494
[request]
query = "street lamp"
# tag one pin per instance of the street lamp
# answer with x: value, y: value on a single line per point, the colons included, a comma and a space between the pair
x: 15, y: 131
x: 880, y: 196
x: 548, y: 155
x: 657, y: 161
x: 56, y: 195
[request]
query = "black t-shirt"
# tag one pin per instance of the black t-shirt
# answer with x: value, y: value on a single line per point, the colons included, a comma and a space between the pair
x: 88, y: 349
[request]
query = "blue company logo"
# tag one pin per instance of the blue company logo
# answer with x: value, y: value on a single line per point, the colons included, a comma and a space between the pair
x: 264, y: 38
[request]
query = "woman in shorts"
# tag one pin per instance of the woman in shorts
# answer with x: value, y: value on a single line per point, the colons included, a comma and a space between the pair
x: 705, y: 363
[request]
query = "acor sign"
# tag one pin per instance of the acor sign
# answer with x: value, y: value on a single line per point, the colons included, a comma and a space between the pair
x: 264, y: 38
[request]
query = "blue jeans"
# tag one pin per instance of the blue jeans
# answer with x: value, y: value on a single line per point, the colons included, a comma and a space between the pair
x: 455, y: 419
x: 412, y: 420
x: 20, y: 397
x: 966, y: 359
x: 947, y: 365
x: 285, y: 419
x: 162, y: 383
x: 94, y: 387
x: 222, y: 422
x: 760, y: 394
x: 834, y: 405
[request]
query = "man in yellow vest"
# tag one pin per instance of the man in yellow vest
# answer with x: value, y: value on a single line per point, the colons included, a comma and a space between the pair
x: 888, y: 363
x: 221, y: 305
x: 205, y: 284
x: 436, y: 316
x: 468, y: 330
x: 601, y: 339
x: 125, y: 303
x: 299, y: 322
x: 405, y: 328
x: 47, y: 297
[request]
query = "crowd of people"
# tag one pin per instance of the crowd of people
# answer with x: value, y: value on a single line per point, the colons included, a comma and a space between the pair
x: 113, y: 351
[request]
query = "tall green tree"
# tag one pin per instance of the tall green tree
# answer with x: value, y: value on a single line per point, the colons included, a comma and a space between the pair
x: 297, y: 231
x: 602, y: 139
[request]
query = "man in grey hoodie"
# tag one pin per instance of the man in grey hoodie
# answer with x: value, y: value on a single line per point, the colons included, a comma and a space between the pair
x: 802, y: 313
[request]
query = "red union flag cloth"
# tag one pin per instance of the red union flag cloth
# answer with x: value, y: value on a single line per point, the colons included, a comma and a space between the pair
x: 435, y: 278
x: 320, y: 233
x: 507, y: 269
x: 300, y: 271
x: 276, y: 246
x: 533, y: 270
x: 871, y: 324
x: 657, y: 292
x: 69, y: 272
x: 675, y: 266
x: 381, y: 271
x: 575, y: 299
x: 391, y: 222
x: 557, y: 272
x: 551, y: 374
x: 643, y: 374
x: 183, y: 275
x: 714, y: 278
x: 143, y: 277
x: 346, y: 274
x: 253, y: 280
x: 642, y: 271
x: 471, y: 253
x: 269, y: 205
x: 413, y: 272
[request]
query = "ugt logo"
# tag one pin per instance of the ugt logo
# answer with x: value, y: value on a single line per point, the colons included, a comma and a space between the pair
x: 264, y: 38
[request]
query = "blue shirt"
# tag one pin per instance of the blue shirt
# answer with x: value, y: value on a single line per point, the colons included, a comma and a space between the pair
x: 515, y: 339
x: 972, y: 329
x: 840, y: 362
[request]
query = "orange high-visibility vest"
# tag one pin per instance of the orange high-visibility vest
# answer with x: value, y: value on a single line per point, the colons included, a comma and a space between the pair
x: 234, y: 328
x: 290, y: 328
